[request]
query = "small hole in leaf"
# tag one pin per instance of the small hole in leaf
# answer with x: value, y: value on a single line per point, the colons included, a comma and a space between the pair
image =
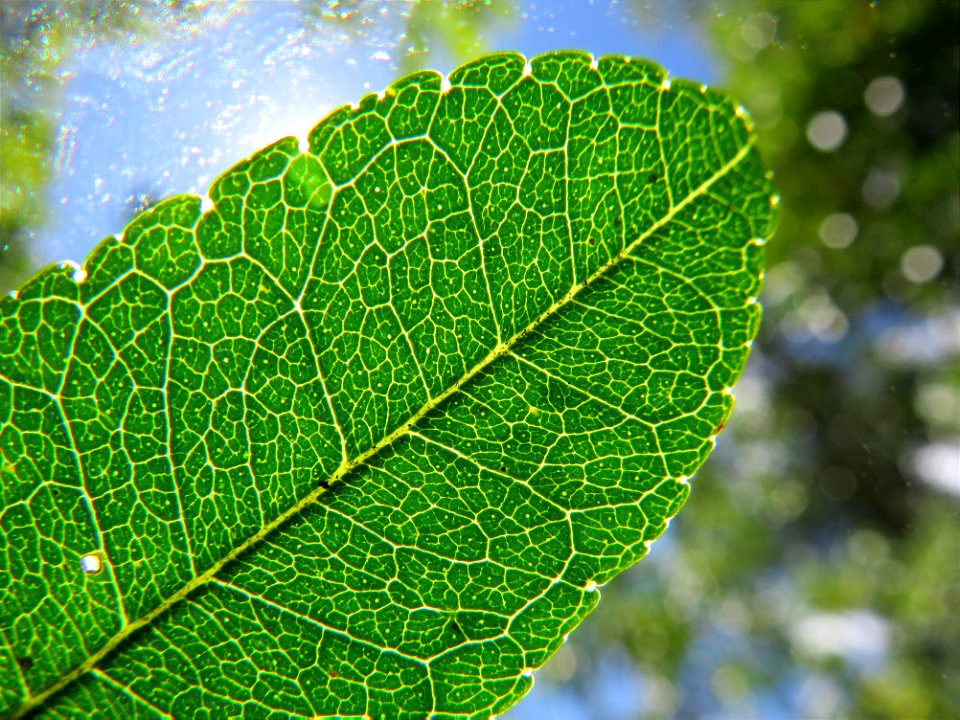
x: 91, y: 564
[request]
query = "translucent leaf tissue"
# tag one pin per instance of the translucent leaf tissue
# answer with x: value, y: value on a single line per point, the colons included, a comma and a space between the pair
x: 361, y: 434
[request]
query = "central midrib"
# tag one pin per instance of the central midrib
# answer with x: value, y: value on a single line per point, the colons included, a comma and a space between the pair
x: 350, y: 465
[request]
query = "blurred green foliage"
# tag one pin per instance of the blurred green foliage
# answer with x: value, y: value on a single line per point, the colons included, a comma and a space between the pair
x: 447, y: 32
x: 455, y: 28
x: 813, y: 572
x: 39, y: 38
x: 37, y: 41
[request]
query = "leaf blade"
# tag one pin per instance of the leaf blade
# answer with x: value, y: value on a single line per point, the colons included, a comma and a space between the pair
x: 529, y: 270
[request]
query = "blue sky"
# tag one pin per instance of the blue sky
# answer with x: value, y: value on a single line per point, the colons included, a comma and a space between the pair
x: 167, y: 115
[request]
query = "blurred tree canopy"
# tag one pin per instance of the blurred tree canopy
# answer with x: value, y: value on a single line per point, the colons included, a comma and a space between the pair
x: 814, y: 571
x: 37, y: 41
x: 39, y: 38
x: 451, y: 31
x: 456, y: 29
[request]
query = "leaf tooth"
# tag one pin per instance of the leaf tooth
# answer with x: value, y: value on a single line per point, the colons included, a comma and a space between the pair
x: 79, y: 274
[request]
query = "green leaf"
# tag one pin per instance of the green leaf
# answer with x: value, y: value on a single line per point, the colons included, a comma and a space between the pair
x: 364, y: 437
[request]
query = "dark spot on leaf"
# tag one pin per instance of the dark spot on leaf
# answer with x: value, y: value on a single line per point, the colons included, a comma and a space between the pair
x: 590, y: 241
x: 324, y: 484
x: 25, y: 663
x: 653, y: 178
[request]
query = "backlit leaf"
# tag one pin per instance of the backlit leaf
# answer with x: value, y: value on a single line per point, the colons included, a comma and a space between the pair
x: 364, y: 437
